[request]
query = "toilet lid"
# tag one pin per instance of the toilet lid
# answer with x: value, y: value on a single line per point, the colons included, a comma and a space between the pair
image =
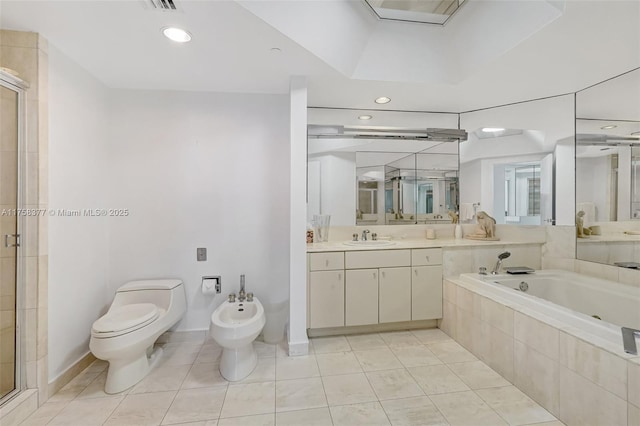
x: 125, y: 317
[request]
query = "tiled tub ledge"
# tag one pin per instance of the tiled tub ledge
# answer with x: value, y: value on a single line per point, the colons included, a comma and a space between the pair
x: 580, y: 374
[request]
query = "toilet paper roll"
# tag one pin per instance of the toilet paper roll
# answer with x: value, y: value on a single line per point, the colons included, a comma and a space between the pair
x: 209, y: 286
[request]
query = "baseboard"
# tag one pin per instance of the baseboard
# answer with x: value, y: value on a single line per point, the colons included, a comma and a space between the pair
x: 58, y: 383
x: 16, y: 410
x: 373, y: 328
x: 299, y: 348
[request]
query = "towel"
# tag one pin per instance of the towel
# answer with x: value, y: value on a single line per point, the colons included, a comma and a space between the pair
x: 589, y: 210
x: 466, y: 211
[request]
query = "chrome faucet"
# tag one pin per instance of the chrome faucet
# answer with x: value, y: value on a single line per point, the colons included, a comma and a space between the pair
x: 502, y: 256
x: 629, y: 340
x: 242, y: 295
x: 364, y: 234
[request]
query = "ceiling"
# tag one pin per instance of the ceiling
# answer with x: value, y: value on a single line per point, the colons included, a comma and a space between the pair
x: 490, y: 52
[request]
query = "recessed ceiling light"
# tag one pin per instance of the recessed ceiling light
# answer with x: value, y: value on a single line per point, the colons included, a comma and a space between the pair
x: 492, y: 129
x: 635, y: 134
x: 365, y: 117
x: 276, y: 50
x: 176, y: 34
x: 611, y: 126
x: 383, y: 100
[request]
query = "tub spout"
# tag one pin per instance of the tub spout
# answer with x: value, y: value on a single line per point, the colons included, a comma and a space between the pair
x: 629, y: 340
x: 502, y: 256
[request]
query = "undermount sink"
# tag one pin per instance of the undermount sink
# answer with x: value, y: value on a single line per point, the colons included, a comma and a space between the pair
x: 369, y: 243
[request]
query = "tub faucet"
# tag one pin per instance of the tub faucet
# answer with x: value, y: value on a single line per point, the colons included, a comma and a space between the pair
x: 629, y: 340
x: 502, y: 256
x: 242, y: 295
x: 364, y: 234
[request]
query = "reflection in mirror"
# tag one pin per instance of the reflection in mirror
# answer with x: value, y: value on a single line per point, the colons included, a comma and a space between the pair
x: 517, y: 164
x: 400, y: 168
x: 607, y: 175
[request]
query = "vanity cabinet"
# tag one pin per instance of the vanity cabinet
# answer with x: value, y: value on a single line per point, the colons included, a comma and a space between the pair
x: 326, y: 290
x: 361, y: 294
x: 426, y: 284
x: 359, y: 288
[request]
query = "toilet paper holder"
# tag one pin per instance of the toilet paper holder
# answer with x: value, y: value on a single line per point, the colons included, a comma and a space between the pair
x: 212, y: 284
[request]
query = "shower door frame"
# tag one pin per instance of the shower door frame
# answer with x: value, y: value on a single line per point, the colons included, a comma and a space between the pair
x: 15, y: 84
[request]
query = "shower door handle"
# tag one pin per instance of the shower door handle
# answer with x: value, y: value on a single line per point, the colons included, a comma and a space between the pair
x: 6, y: 240
x: 629, y: 340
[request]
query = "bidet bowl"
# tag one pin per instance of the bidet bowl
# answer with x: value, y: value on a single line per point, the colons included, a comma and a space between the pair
x: 234, y: 324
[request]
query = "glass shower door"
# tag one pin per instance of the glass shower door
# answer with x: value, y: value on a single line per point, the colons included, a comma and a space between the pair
x: 9, y: 243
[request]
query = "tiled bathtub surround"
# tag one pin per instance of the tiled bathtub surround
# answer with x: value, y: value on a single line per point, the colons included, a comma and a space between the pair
x: 580, y: 379
x: 421, y: 377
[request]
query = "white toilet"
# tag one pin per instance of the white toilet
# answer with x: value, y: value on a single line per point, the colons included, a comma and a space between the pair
x: 234, y: 326
x: 141, y: 311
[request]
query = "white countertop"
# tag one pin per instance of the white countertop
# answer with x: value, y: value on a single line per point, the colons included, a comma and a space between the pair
x: 615, y: 238
x: 412, y: 244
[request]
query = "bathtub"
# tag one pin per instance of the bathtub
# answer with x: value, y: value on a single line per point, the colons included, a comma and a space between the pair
x: 572, y: 299
x: 546, y: 342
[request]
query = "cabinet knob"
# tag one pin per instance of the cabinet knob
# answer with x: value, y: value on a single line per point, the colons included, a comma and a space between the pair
x: 415, y: 271
x: 339, y: 277
x: 427, y: 258
x: 326, y: 262
x: 374, y: 275
x: 383, y: 275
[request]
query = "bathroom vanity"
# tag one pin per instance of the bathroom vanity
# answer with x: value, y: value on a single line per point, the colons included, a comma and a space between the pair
x: 372, y: 287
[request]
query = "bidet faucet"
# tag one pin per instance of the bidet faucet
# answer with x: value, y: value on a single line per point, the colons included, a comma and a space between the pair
x: 364, y: 234
x: 501, y: 257
x: 242, y: 295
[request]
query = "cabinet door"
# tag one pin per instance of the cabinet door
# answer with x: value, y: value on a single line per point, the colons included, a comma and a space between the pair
x: 361, y: 292
x: 395, y: 294
x: 326, y: 299
x: 426, y: 292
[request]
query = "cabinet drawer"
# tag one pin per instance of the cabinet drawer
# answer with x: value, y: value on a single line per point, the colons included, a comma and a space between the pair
x: 426, y: 257
x: 377, y: 259
x: 326, y: 261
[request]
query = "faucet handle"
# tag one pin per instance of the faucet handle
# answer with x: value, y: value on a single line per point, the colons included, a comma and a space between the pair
x: 355, y: 237
x: 483, y: 271
x: 374, y: 236
x: 232, y: 298
x: 249, y: 297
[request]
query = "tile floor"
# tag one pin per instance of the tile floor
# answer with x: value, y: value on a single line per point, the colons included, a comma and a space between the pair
x: 419, y: 377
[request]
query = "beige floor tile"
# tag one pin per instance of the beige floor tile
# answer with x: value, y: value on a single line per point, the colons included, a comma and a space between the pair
x: 478, y: 375
x: 209, y: 354
x: 179, y: 354
x: 142, y: 409
x: 323, y: 345
x: 192, y: 405
x: 97, y: 366
x: 74, y: 387
x: 265, y: 350
x: 204, y: 376
x: 300, y: 394
x: 334, y: 363
x: 297, y: 367
x: 553, y: 423
x: 45, y: 413
x: 164, y: 378
x: 400, y: 338
x: 363, y: 342
x: 96, y: 388
x: 434, y: 379
x: 378, y: 359
x: 413, y: 412
x: 432, y: 335
x: 87, y: 412
x: 282, y: 349
x: 203, y: 423
x: 348, y: 389
x: 257, y: 420
x: 248, y: 399
x: 450, y: 352
x: 393, y: 384
x: 265, y: 371
x: 414, y: 356
x: 466, y: 408
x: 313, y: 417
x: 370, y: 414
x: 514, y: 406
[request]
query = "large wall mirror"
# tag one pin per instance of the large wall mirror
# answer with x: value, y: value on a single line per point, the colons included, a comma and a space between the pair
x: 608, y: 171
x: 518, y: 163
x: 382, y: 167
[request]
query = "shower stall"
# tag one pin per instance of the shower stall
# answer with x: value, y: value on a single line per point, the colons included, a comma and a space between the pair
x: 12, y: 107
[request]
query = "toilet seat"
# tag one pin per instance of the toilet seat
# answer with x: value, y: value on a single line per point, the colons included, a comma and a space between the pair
x: 124, y: 319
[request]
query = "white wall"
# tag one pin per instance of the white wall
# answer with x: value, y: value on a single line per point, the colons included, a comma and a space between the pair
x: 78, y: 246
x: 201, y: 170
x: 593, y: 181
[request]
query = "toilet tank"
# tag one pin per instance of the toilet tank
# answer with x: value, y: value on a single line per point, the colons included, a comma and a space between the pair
x: 159, y: 292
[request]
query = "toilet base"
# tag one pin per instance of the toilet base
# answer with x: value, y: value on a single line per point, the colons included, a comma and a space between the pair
x: 122, y: 374
x: 238, y: 363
